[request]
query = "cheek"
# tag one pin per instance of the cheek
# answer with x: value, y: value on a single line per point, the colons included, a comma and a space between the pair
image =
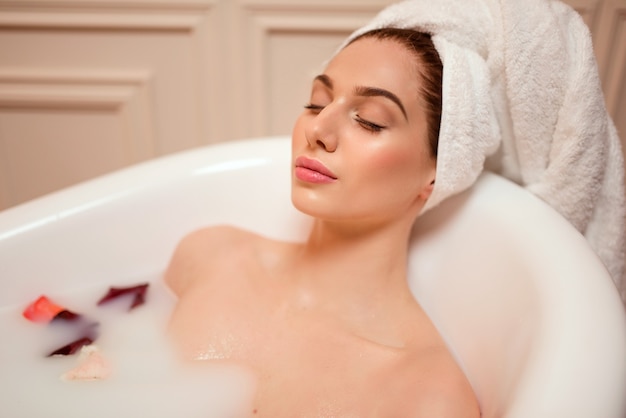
x: 394, y: 162
x: 395, y: 172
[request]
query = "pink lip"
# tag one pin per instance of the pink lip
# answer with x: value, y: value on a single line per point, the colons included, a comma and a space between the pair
x: 313, y: 171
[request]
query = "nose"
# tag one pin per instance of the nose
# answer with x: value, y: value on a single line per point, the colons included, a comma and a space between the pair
x: 322, y: 129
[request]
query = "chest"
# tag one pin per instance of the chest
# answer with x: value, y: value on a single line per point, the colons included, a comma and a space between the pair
x: 308, y: 354
x: 256, y: 327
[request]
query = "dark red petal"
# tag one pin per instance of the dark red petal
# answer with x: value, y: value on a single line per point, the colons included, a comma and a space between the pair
x: 72, y: 347
x: 139, y: 291
x: 66, y: 316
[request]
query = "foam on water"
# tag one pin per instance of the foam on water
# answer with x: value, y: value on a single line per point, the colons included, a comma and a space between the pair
x: 147, y: 378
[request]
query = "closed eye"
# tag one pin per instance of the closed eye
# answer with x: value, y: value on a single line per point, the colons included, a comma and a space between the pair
x: 370, y: 126
x: 314, y: 108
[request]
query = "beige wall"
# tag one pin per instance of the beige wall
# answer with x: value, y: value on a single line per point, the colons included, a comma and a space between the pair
x: 89, y: 86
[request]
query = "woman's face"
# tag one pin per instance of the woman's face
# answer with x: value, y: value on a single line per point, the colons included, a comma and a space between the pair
x: 359, y: 149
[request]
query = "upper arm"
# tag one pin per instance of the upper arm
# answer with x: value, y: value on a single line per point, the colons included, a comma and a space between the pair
x: 195, y: 253
x: 439, y: 388
x: 449, y: 401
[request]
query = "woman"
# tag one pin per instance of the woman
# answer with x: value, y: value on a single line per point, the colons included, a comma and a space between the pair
x: 329, y: 327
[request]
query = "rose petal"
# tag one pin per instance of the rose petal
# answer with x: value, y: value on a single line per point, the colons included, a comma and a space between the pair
x: 66, y: 315
x: 139, y: 291
x: 42, y: 310
x: 72, y: 347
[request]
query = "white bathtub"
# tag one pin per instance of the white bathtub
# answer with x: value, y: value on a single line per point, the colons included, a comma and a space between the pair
x: 527, y: 308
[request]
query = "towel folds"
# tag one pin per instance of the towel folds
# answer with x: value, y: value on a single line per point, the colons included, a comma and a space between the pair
x: 522, y: 97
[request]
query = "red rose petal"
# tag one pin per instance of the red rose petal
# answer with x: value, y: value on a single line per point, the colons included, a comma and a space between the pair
x: 139, y: 291
x: 66, y: 315
x: 42, y: 310
x: 72, y: 347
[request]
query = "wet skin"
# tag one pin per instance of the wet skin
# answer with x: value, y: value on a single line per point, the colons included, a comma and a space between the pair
x: 328, y: 327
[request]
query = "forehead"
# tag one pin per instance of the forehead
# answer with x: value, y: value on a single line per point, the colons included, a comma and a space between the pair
x: 381, y: 63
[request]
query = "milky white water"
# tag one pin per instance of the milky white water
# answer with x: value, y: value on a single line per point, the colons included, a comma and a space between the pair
x: 147, y: 379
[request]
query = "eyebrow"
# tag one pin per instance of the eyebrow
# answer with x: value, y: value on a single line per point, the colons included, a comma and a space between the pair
x: 367, y: 92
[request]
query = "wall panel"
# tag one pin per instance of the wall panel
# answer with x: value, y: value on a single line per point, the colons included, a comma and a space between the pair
x: 58, y: 128
x: 180, y: 74
x: 610, y: 38
x: 282, y: 45
x: 152, y: 63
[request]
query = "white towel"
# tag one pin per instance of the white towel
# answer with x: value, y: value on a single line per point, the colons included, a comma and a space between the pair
x: 521, y: 87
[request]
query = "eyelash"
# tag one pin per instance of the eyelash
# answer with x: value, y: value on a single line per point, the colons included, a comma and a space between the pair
x: 313, y: 107
x: 367, y: 125
x: 372, y: 127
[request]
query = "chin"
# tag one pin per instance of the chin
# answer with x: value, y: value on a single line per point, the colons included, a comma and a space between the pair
x: 305, y: 200
x: 313, y: 203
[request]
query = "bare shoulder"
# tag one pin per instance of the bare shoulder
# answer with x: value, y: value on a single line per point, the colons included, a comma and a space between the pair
x: 216, y: 237
x: 437, y: 385
x: 210, y: 246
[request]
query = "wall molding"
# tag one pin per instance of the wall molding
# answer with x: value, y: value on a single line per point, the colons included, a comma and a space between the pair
x: 264, y: 23
x: 181, y: 5
x: 347, y: 6
x: 611, y: 57
x: 127, y: 95
x: 206, y: 70
x: 97, y: 15
x: 615, y: 75
x: 97, y: 20
x: 68, y: 89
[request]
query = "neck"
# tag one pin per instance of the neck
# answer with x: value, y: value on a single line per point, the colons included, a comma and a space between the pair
x: 350, y: 263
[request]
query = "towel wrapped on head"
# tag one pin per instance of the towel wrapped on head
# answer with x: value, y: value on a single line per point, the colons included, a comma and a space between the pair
x: 522, y: 97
